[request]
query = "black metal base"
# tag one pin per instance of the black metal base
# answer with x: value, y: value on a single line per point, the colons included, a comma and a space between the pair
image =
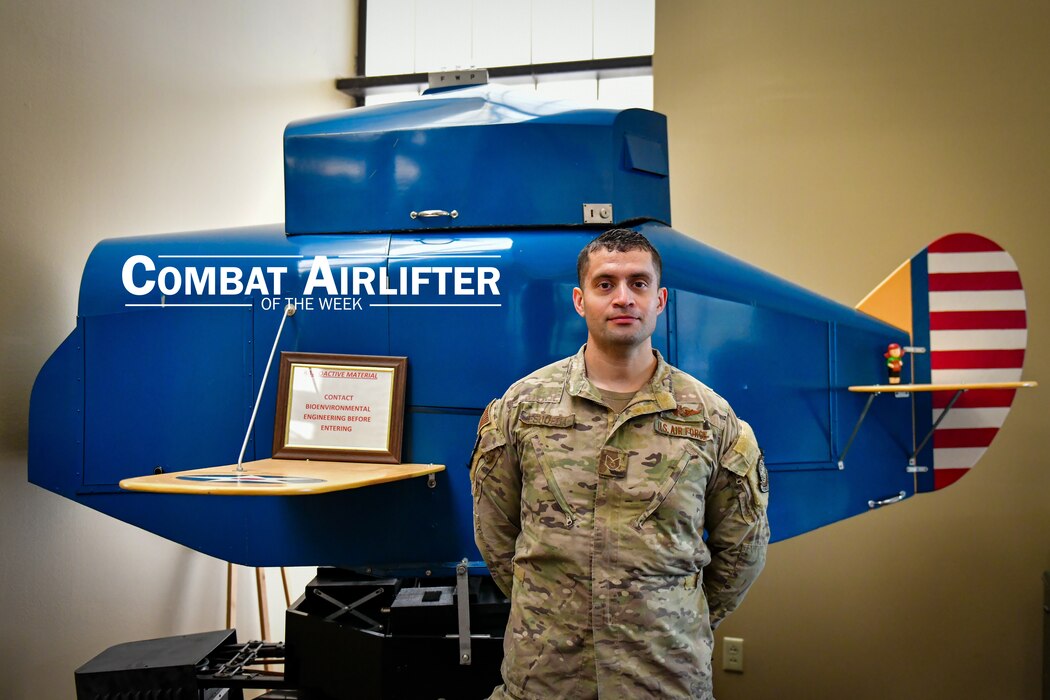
x: 349, y: 636
x: 203, y: 666
x: 401, y: 643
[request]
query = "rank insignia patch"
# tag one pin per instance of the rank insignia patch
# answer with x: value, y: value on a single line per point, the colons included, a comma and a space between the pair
x: 612, y: 463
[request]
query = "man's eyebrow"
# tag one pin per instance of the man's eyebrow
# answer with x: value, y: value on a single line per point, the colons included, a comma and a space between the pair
x: 634, y: 276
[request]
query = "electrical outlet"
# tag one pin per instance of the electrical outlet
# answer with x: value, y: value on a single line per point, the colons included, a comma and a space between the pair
x: 733, y: 654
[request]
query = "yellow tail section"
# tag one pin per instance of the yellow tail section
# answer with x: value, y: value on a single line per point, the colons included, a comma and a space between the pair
x: 890, y: 301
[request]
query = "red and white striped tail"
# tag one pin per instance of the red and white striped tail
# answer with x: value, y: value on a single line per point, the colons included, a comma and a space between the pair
x: 978, y: 333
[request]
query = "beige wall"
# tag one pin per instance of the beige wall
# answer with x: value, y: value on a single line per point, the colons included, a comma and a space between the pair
x: 117, y: 118
x: 826, y: 141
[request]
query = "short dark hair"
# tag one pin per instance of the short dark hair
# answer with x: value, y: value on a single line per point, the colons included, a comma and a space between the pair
x: 617, y: 240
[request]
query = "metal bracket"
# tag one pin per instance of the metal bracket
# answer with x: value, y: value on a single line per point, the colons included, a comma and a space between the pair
x: 856, y: 428
x: 458, y: 77
x: 944, y: 414
x: 914, y: 468
x: 463, y: 609
x: 350, y: 608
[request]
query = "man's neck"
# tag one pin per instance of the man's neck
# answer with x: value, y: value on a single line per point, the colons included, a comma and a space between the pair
x: 625, y: 371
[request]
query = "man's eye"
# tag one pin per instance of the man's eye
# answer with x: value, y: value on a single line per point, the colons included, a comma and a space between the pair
x: 604, y: 285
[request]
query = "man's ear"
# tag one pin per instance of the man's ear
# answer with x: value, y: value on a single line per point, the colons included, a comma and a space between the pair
x: 577, y: 299
x: 661, y: 300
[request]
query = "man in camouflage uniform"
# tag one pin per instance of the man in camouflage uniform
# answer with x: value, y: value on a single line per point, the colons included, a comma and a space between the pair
x: 593, y: 481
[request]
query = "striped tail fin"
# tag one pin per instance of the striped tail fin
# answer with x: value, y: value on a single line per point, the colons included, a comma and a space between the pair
x: 977, y: 333
x: 966, y: 305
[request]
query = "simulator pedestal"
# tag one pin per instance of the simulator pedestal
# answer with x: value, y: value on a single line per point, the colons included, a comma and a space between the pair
x: 348, y: 636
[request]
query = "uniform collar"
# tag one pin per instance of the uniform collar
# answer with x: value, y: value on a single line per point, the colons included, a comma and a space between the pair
x: 659, y: 389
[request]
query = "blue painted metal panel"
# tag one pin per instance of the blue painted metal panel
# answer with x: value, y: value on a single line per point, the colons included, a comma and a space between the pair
x: 732, y: 346
x: 464, y: 356
x: 168, y: 388
x: 56, y: 419
x: 498, y: 158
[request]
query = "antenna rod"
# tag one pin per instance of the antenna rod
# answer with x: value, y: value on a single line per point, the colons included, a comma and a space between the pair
x: 288, y: 311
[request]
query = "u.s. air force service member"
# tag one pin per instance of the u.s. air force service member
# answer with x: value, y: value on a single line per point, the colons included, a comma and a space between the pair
x: 593, y: 481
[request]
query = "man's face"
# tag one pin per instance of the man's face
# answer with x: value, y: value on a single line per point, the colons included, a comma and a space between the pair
x: 619, y: 299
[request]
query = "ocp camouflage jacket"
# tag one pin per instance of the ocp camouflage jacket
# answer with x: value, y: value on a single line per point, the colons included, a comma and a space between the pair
x: 592, y: 523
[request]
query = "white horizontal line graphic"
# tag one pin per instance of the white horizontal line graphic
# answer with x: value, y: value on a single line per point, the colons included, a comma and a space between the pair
x: 233, y: 257
x: 168, y: 306
x: 413, y: 256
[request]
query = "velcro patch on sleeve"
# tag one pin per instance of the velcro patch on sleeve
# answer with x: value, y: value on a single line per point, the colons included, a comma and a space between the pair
x: 486, y: 415
x: 744, y: 455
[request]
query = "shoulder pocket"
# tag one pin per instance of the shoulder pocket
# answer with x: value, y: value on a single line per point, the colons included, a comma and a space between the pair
x: 745, y: 460
x: 490, y: 438
x: 743, y: 456
x: 487, y: 450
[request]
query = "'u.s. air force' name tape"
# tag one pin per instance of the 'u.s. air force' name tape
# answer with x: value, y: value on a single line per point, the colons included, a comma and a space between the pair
x: 696, y: 432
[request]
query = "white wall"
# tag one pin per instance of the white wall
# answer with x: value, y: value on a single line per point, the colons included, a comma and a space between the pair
x: 117, y: 118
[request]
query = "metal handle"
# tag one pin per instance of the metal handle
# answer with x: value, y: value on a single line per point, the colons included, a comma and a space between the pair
x: 431, y: 213
x: 887, y: 501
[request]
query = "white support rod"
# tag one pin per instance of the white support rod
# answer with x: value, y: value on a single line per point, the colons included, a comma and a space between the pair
x: 288, y: 311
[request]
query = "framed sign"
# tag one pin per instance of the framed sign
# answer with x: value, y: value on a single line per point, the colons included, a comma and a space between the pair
x: 347, y: 408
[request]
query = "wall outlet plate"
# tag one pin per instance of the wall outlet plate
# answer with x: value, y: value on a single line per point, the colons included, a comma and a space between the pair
x: 733, y: 654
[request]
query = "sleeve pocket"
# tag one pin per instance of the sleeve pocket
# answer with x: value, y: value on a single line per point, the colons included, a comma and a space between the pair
x: 487, y: 451
x: 745, y: 460
x: 744, y: 454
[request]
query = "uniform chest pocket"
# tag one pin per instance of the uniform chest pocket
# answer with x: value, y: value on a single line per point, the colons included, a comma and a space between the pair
x: 551, y: 482
x: 551, y: 465
x: 690, y: 454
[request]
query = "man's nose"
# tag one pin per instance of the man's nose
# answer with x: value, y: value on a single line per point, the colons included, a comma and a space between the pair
x: 623, y: 296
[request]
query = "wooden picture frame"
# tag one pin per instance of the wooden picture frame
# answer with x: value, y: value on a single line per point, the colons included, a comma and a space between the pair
x: 345, y: 408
